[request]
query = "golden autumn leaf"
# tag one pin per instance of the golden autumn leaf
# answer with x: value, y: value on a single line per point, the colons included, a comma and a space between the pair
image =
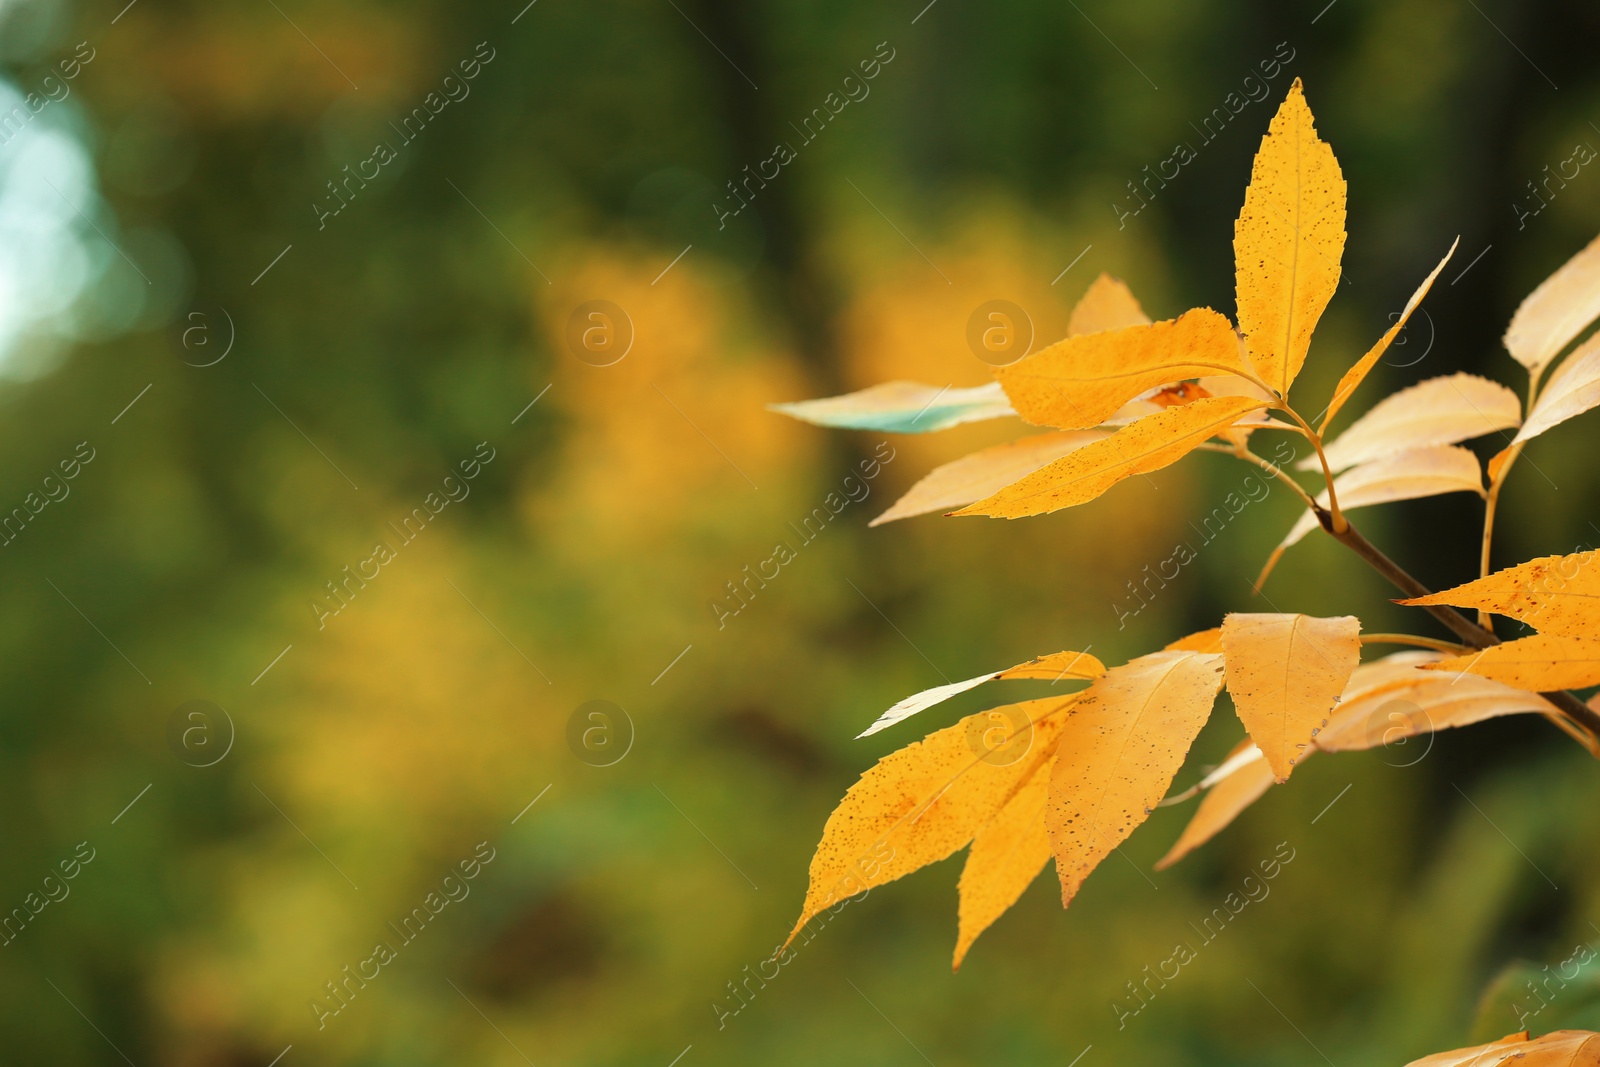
x: 1439, y: 411
x: 1559, y: 1048
x: 1056, y: 667
x: 1387, y: 702
x: 923, y: 802
x: 1153, y: 442
x: 1285, y: 673
x: 1541, y: 663
x: 1573, y: 389
x: 1556, y: 312
x: 1119, y: 751
x: 1108, y: 304
x: 1239, y: 782
x: 1006, y: 856
x: 1080, y: 382
x: 978, y: 474
x: 1288, y: 241
x: 1554, y: 594
x: 1357, y: 374
x: 1204, y: 641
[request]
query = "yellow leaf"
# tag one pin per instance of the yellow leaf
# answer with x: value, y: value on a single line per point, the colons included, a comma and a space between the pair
x: 1556, y: 312
x: 1573, y: 389
x: 1006, y: 856
x: 1408, y: 475
x: 1559, y: 1048
x: 1107, y: 305
x: 1119, y: 750
x: 1540, y: 663
x: 1153, y: 442
x: 1386, y: 702
x: 1400, y: 700
x: 1555, y: 594
x: 924, y: 802
x: 1357, y: 374
x: 1288, y: 242
x: 1232, y: 787
x: 1498, y: 461
x: 1439, y: 411
x: 1286, y: 673
x: 1056, y: 667
x: 1080, y: 382
x: 976, y: 475
x: 1204, y: 641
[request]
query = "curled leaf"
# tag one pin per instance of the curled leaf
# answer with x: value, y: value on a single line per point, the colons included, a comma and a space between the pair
x: 902, y: 407
x: 1056, y: 667
x: 1540, y: 663
x: 1234, y: 786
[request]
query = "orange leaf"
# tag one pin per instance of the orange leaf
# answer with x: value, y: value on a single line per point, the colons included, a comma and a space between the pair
x: 1288, y: 241
x: 1555, y: 594
x: 1204, y: 641
x: 1107, y: 305
x: 1286, y: 673
x: 1153, y: 442
x: 1006, y: 856
x: 1357, y: 374
x: 1080, y: 382
x: 927, y: 800
x: 1119, y: 750
x: 1540, y: 663
x: 1560, y: 1048
x: 976, y: 475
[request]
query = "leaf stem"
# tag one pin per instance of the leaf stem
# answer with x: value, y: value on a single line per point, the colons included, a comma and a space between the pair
x: 1339, y: 521
x: 1451, y: 647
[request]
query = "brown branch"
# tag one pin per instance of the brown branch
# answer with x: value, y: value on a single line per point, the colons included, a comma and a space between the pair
x: 1463, y: 627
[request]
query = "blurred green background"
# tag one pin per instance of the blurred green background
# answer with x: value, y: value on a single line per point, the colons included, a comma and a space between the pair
x: 388, y: 341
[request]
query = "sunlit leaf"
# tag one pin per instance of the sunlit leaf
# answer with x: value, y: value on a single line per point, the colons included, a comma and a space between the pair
x: 926, y: 801
x: 1556, y: 312
x: 1439, y: 411
x: 1006, y: 856
x: 1288, y: 241
x: 1153, y: 442
x: 1119, y: 750
x: 1056, y: 667
x: 1554, y: 594
x: 976, y: 475
x: 1560, y: 1048
x: 1573, y: 389
x: 902, y: 407
x: 1285, y: 673
x: 1540, y: 663
x: 1357, y: 374
x: 1080, y: 382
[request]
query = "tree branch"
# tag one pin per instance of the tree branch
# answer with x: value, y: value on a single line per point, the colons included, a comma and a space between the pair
x: 1463, y: 627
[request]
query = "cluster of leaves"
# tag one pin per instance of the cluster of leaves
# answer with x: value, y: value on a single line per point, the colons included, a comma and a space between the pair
x: 1071, y: 776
